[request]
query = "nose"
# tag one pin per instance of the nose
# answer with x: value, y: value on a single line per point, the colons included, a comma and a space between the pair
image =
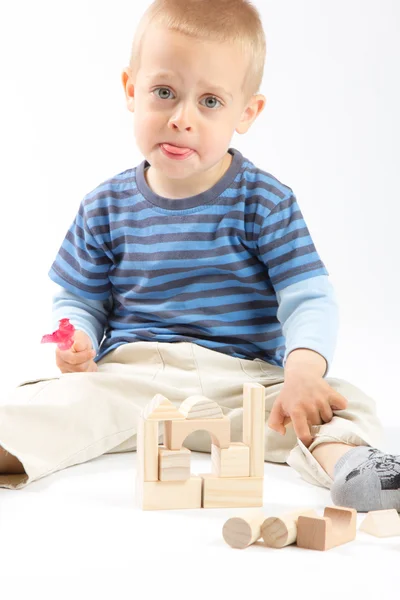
x: 182, y: 118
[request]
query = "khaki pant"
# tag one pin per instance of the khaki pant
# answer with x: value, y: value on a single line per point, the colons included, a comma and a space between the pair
x: 55, y: 423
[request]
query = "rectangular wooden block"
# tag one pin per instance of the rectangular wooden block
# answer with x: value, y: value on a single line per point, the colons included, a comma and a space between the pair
x: 312, y: 532
x: 170, y: 495
x: 175, y: 432
x: 147, y: 450
x: 232, y: 492
x: 173, y: 465
x: 254, y: 426
x: 146, y: 455
x: 230, y: 462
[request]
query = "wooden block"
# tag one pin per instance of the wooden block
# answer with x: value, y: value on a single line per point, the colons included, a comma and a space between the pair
x: 254, y: 426
x: 344, y: 521
x: 175, y: 432
x: 230, y: 462
x: 336, y: 527
x: 312, y: 532
x: 147, y: 450
x: 170, y: 495
x: 160, y: 409
x: 381, y: 523
x: 241, y: 532
x: 146, y: 455
x: 200, y: 407
x: 232, y: 492
x: 281, y: 531
x: 173, y: 465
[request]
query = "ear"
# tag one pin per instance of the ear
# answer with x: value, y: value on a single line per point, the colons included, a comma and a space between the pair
x: 254, y: 107
x: 129, y: 88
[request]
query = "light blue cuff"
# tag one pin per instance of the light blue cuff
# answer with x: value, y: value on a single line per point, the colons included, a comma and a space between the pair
x: 89, y: 316
x: 309, y: 315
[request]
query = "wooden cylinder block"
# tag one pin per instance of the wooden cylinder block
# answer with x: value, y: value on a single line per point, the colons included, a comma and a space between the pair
x: 240, y: 532
x: 281, y: 531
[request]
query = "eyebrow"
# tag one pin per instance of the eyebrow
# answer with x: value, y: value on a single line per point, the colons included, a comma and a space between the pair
x: 171, y: 75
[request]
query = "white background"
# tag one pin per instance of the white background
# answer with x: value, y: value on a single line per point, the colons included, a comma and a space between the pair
x: 330, y: 131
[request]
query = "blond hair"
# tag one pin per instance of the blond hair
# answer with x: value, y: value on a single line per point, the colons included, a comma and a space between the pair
x: 232, y: 21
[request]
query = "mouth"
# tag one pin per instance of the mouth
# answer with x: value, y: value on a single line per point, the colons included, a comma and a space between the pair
x: 175, y: 148
x: 173, y: 151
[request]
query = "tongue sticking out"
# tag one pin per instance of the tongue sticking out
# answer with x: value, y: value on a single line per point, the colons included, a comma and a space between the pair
x: 175, y: 149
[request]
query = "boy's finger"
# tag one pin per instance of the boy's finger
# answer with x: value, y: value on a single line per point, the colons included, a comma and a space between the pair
x: 302, y: 428
x: 78, y: 358
x: 338, y: 402
x: 81, y: 368
x: 326, y: 413
x: 276, y: 419
x: 79, y: 345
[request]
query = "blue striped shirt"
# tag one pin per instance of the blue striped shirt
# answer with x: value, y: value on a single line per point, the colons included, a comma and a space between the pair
x: 211, y: 269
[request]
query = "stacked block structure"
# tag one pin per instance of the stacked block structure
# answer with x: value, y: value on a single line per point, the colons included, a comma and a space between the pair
x: 164, y: 479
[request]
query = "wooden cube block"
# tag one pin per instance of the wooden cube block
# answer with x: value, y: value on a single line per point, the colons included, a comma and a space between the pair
x: 313, y: 532
x: 175, y: 432
x: 173, y: 465
x: 232, y: 492
x: 170, y: 495
x: 230, y: 462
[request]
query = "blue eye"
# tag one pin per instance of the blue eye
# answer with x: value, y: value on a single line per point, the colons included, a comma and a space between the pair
x: 162, y: 88
x: 168, y: 91
x: 212, y: 98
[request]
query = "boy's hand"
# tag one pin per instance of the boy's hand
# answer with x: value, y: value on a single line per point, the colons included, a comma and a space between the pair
x: 307, y: 399
x: 79, y: 358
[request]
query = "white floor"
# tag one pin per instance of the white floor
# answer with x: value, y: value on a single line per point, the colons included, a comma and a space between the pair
x: 78, y: 533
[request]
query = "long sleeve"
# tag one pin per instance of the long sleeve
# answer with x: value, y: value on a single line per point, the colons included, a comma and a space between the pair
x: 309, y: 315
x: 87, y: 315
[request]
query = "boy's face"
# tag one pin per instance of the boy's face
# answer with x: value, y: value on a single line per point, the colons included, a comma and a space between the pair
x: 188, y: 93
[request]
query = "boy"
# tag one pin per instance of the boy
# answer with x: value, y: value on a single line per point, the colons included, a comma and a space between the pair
x: 200, y: 272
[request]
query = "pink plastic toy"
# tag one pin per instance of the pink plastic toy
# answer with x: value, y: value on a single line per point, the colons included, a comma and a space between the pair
x: 63, y: 336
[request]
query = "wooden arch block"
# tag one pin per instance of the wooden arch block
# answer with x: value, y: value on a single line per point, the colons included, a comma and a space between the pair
x: 175, y: 432
x: 200, y: 407
x: 337, y: 526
